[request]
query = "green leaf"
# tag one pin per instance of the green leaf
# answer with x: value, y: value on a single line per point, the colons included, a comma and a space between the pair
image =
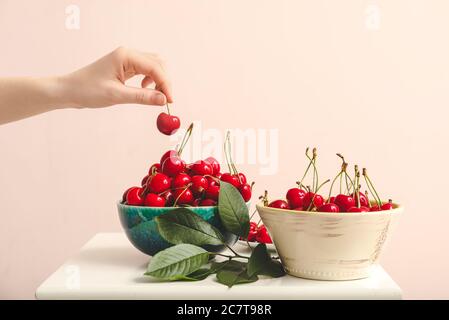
x: 180, y: 260
x: 260, y: 263
x: 184, y: 226
x: 233, y: 277
x: 197, y: 275
x: 232, y: 210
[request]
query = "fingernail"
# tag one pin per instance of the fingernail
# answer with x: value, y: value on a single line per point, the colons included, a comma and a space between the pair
x: 160, y: 99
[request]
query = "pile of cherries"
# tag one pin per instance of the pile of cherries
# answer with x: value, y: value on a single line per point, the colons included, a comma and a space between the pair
x: 307, y: 198
x: 171, y: 182
x: 258, y: 233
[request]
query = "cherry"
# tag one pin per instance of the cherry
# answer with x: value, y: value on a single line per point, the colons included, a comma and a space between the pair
x: 361, y: 209
x: 155, y: 167
x: 134, y: 197
x: 295, y: 197
x: 158, y: 183
x: 229, y: 178
x: 242, y: 178
x: 196, y: 202
x: 279, y: 204
x: 262, y: 235
x: 363, y: 199
x: 252, y: 231
x: 208, y: 203
x: 318, y: 200
x: 328, y: 207
x: 344, y: 202
x: 201, y: 168
x: 199, y: 184
x: 144, y: 180
x: 212, y: 181
x: 168, y: 124
x: 218, y: 175
x: 180, y: 181
x: 169, y: 198
x: 331, y: 200
x: 388, y: 205
x: 172, y: 164
x: 126, y: 193
x: 245, y: 191
x: 154, y: 200
x: 375, y: 208
x: 183, y: 196
x: 298, y: 209
x: 212, y: 192
x: 215, y: 165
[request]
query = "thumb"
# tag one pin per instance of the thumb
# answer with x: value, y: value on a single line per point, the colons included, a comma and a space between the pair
x: 141, y: 96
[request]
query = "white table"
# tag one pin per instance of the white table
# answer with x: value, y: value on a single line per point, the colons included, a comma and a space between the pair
x: 109, y: 267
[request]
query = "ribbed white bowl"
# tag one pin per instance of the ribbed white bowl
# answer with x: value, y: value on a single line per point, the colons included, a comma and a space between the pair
x: 328, y: 246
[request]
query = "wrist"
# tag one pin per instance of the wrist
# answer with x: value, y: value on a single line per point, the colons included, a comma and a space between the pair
x: 59, y: 93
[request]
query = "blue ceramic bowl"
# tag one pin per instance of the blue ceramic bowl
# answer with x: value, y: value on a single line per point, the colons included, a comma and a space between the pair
x: 141, y: 229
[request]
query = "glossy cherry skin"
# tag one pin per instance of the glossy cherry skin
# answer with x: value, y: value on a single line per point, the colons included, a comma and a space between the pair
x: 387, y: 206
x: 208, y: 203
x: 212, y: 192
x: 183, y: 196
x: 344, y: 202
x: 262, y: 235
x: 168, y: 197
x: 180, y: 181
x: 318, y: 201
x: 144, y: 181
x: 295, y: 197
x: 363, y: 200
x: 158, y: 183
x: 252, y: 231
x: 332, y: 200
x: 212, y: 181
x: 218, y: 175
x: 172, y: 164
x: 126, y: 193
x: 201, y: 168
x: 280, y: 204
x: 199, y: 185
x: 215, y: 165
x: 374, y: 208
x: 168, y: 124
x: 242, y: 178
x: 134, y: 197
x: 229, y: 178
x: 245, y: 191
x: 154, y: 200
x: 329, y: 207
x: 155, y: 167
x: 361, y: 209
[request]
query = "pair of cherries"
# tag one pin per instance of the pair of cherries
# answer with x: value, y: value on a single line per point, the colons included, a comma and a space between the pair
x: 299, y: 200
x: 258, y: 233
x: 172, y: 182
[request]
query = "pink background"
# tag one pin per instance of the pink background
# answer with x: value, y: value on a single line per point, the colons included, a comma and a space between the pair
x: 310, y: 68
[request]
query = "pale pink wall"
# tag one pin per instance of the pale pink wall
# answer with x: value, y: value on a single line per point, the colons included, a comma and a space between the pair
x: 310, y: 68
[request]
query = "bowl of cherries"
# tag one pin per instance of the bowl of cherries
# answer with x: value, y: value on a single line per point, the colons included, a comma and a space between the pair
x: 172, y: 183
x: 334, y: 236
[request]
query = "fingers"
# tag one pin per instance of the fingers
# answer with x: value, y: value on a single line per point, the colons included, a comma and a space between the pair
x: 153, y: 70
x: 146, y: 81
x: 140, y: 96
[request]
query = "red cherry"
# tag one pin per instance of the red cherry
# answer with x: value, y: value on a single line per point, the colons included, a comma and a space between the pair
x: 212, y: 192
x: 245, y: 191
x: 212, y: 181
x: 134, y: 197
x: 168, y: 197
x: 208, y: 203
x: 262, y: 235
x: 318, y: 200
x: 374, y: 208
x: 363, y: 199
x: 218, y: 175
x: 144, y: 180
x: 252, y: 231
x: 180, y: 181
x: 183, y: 196
x: 280, y: 204
x: 154, y: 200
x: 229, y: 178
x: 168, y: 124
x: 199, y: 184
x: 295, y: 197
x: 126, y: 192
x: 201, y: 168
x: 196, y: 202
x: 387, y: 206
x: 361, y: 209
x: 215, y: 165
x: 172, y: 164
x: 242, y: 178
x: 298, y: 209
x: 158, y: 183
x: 332, y: 200
x: 155, y: 167
x: 344, y: 202
x: 329, y: 207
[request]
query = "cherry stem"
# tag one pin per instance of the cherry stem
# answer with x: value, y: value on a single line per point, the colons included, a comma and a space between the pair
x: 185, y: 139
x: 307, y: 169
x: 313, y: 198
x: 227, y: 152
x: 264, y: 198
x: 315, y: 171
x: 371, y: 187
x: 367, y: 199
x: 177, y: 198
x: 357, y: 191
x: 252, y: 215
x: 168, y: 109
x: 332, y: 185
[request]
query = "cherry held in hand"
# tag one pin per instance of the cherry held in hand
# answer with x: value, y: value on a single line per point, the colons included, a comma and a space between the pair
x: 168, y: 124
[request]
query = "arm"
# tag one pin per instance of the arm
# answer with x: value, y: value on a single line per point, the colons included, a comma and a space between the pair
x: 99, y: 84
